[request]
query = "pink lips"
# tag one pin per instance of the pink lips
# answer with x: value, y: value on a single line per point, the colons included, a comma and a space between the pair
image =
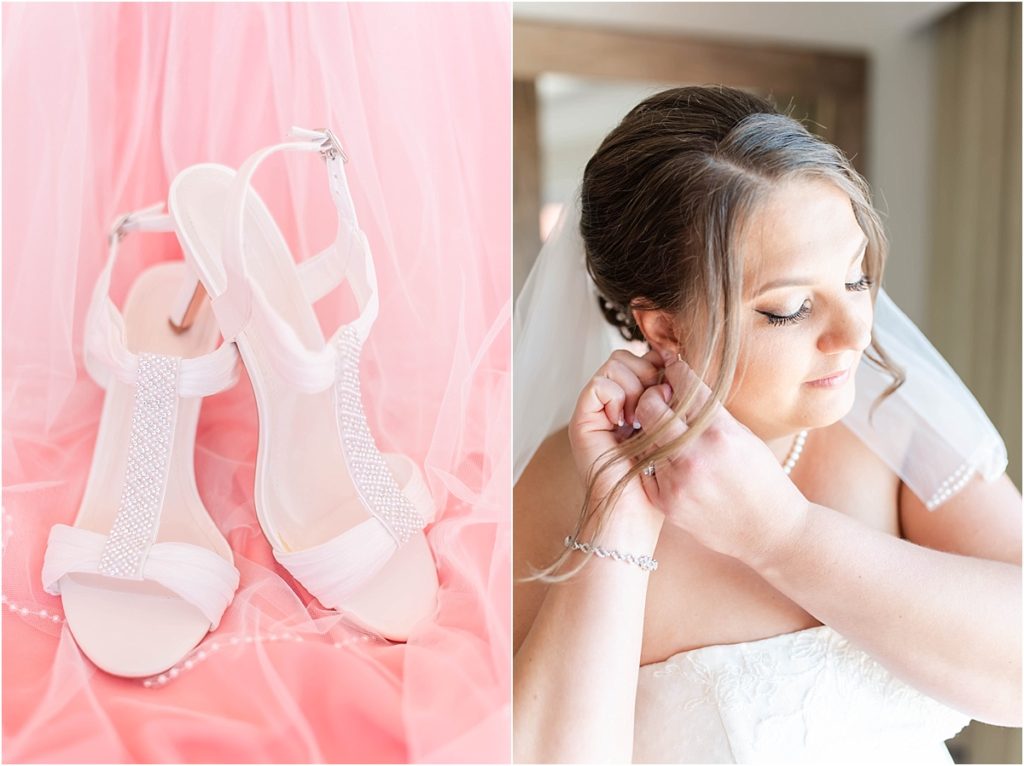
x: 832, y: 380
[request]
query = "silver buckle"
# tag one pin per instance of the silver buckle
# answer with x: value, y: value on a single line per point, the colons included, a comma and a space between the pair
x: 117, y: 231
x: 330, y: 147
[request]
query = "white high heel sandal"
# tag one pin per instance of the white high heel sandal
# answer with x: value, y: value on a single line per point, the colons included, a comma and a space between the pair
x: 345, y: 519
x: 144, y: 573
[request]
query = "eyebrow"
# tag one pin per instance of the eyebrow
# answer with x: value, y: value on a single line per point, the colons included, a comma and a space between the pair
x: 804, y: 281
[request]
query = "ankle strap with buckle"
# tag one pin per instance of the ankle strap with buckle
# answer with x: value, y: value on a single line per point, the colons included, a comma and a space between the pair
x: 107, y: 356
x: 234, y: 304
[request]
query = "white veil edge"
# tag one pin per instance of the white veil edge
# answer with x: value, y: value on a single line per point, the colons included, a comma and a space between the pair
x: 931, y: 431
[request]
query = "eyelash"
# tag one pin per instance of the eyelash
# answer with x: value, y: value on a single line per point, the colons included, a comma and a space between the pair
x: 777, y: 321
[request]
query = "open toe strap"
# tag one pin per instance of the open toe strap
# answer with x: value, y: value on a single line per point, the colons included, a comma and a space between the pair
x: 336, y: 569
x: 196, y: 574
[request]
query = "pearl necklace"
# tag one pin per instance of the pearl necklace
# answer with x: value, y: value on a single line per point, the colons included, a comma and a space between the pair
x: 794, y: 452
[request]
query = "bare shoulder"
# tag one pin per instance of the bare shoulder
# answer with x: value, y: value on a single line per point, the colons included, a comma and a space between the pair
x: 546, y: 501
x: 839, y: 471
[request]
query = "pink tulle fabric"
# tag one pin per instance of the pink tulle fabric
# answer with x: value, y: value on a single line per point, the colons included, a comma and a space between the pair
x: 102, y: 105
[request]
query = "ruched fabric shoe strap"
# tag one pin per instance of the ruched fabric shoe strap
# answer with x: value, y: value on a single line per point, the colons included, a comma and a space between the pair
x: 196, y: 574
x: 336, y: 569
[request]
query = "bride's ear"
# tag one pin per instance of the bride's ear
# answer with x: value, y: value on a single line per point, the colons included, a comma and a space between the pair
x: 659, y: 328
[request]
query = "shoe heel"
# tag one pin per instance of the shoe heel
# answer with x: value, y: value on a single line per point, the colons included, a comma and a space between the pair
x: 186, y: 302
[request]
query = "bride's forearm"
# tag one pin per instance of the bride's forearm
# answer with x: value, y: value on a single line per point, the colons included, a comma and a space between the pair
x: 575, y: 675
x: 949, y: 625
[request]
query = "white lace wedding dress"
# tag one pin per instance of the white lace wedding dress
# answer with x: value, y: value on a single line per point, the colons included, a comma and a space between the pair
x: 803, y: 697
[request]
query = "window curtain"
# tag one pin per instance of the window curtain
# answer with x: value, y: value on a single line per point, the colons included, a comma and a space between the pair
x: 975, y: 290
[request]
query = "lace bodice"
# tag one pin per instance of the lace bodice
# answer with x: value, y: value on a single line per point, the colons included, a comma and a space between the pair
x: 804, y: 697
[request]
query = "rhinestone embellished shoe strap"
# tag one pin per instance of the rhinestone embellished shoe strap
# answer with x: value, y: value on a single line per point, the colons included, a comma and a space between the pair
x: 107, y: 358
x: 337, y: 364
x: 154, y: 415
x: 377, y: 488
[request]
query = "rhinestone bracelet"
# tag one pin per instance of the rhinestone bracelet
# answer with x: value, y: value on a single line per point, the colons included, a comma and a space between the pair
x: 645, y: 562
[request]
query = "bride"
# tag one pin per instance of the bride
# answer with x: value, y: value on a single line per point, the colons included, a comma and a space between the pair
x: 776, y: 526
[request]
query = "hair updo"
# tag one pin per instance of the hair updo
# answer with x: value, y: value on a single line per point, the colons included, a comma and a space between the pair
x: 663, y: 196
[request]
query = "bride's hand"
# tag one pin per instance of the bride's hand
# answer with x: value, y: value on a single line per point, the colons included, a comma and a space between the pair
x: 727, y: 489
x: 604, y: 417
